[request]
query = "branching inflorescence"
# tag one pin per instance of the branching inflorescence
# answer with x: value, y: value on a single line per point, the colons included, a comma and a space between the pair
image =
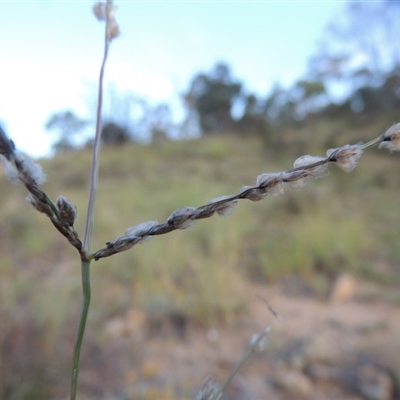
x: 21, y: 169
x: 62, y: 213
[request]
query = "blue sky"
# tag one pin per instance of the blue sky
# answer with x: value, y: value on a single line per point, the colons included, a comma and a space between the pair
x: 50, y: 52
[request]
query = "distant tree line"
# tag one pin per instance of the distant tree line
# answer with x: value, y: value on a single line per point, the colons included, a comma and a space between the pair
x: 359, y: 58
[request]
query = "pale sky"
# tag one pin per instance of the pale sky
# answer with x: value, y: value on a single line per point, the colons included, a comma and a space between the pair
x: 50, y: 52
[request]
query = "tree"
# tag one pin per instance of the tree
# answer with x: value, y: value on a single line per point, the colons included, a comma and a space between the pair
x: 279, y: 106
x: 311, y: 97
x: 212, y: 96
x: 361, y: 48
x: 254, y: 119
x: 160, y: 122
x: 128, y: 116
x: 114, y: 134
x: 68, y: 125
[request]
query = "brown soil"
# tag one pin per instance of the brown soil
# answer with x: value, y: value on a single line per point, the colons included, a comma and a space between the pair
x: 318, y: 349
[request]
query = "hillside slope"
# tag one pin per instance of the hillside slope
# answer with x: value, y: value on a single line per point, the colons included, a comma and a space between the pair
x: 197, y: 277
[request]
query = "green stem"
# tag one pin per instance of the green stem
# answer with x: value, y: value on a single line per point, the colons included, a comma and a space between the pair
x: 372, y: 143
x: 81, y: 327
x: 85, y: 266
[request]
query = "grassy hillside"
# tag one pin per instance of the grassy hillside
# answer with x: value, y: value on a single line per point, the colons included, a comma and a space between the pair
x: 342, y: 222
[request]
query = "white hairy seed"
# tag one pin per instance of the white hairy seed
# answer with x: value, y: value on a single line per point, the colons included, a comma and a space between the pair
x: 319, y: 171
x: 272, y: 182
x: 391, y: 139
x: 255, y: 193
x: 141, y: 231
x: 346, y: 156
x: 225, y: 208
x: 30, y: 169
x: 182, y: 218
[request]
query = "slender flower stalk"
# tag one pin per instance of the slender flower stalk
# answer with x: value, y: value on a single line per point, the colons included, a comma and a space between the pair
x: 96, y: 151
x: 371, y: 143
x: 102, y: 11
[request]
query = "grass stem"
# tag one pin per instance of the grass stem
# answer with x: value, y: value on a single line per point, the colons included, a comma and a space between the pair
x: 85, y: 266
x: 96, y: 153
x: 81, y: 328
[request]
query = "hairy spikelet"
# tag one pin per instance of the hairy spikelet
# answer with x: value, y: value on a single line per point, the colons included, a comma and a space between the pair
x: 346, y: 157
x: 67, y: 210
x: 391, y: 138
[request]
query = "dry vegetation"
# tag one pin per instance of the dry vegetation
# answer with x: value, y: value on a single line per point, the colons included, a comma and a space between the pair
x: 181, y: 285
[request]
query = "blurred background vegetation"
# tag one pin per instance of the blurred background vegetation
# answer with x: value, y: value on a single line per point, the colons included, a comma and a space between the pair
x: 354, y: 77
x: 151, y: 165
